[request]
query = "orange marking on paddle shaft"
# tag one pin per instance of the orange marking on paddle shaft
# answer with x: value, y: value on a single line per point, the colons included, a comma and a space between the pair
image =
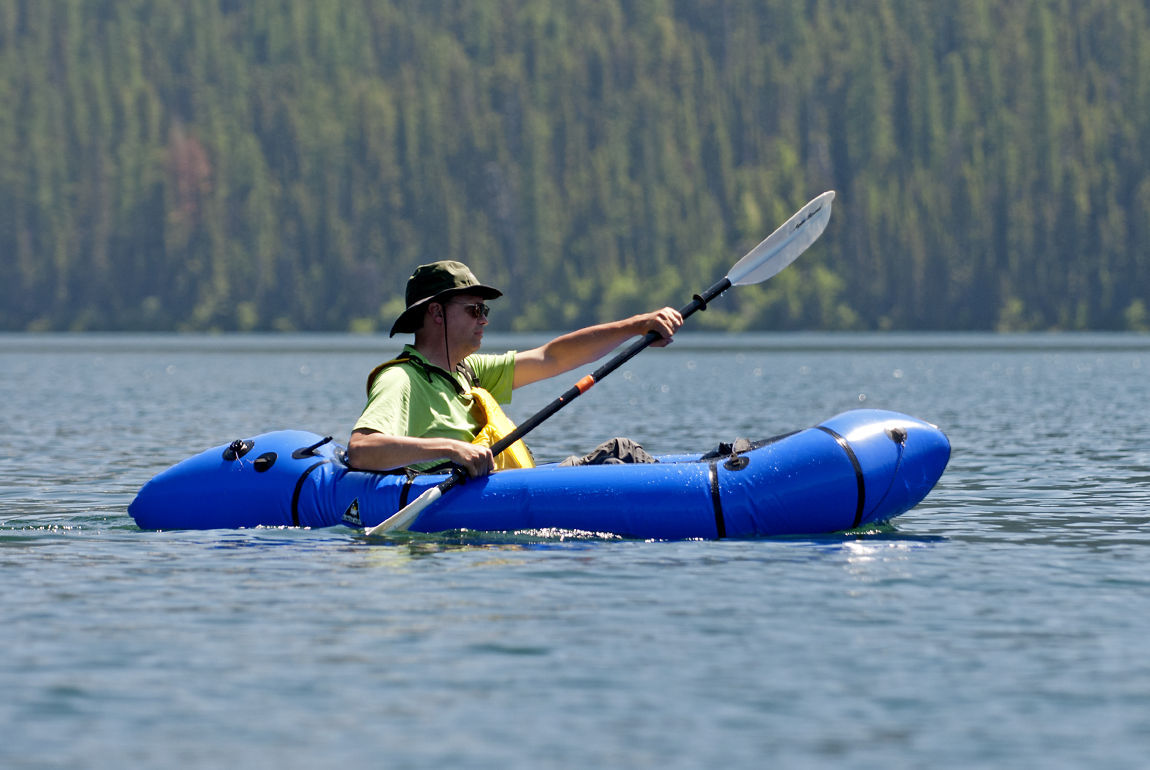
x: 585, y: 384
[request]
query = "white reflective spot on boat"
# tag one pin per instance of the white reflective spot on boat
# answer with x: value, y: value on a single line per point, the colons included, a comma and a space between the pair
x: 863, y: 432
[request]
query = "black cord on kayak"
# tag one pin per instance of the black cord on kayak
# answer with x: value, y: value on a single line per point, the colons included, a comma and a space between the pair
x: 309, y: 451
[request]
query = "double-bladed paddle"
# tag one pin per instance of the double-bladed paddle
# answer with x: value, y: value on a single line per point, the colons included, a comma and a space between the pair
x: 779, y: 249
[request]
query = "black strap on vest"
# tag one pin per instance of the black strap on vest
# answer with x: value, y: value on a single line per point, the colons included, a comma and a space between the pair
x: 428, y: 371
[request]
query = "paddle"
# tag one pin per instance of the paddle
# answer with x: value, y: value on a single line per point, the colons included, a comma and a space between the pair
x: 779, y: 249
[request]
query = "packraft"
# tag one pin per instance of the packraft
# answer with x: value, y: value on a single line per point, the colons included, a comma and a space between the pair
x: 854, y: 470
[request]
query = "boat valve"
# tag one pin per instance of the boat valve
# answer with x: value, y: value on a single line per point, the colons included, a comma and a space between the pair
x: 737, y: 462
x: 237, y: 449
x: 897, y: 435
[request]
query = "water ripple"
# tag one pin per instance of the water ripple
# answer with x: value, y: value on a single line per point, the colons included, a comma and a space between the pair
x: 1000, y: 623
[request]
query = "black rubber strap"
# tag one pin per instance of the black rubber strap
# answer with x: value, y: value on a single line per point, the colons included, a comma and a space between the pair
x: 716, y: 501
x: 842, y: 442
x: 405, y: 492
x: 298, y: 487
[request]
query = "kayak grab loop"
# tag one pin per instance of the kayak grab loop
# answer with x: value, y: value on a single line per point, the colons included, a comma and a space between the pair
x: 238, y: 449
x: 309, y: 451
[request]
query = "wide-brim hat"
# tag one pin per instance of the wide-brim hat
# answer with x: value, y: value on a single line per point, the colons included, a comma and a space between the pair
x: 433, y: 283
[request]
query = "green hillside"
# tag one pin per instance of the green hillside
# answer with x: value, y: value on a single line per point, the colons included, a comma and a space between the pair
x: 279, y: 164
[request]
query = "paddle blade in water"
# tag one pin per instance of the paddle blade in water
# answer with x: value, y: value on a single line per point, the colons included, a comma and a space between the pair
x: 783, y: 246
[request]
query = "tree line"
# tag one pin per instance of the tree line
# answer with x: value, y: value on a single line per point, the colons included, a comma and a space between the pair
x: 282, y: 165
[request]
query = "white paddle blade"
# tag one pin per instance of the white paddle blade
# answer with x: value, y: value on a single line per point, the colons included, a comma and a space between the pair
x: 405, y: 517
x: 783, y: 246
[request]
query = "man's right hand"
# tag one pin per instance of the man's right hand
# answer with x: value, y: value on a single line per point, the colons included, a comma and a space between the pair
x: 476, y: 459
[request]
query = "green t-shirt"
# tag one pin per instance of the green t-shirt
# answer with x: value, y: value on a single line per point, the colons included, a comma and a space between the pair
x: 405, y: 400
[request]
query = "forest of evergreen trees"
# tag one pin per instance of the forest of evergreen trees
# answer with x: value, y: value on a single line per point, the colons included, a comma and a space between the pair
x: 283, y: 164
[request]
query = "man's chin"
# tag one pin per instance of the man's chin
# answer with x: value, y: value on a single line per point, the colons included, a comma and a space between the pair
x: 475, y: 345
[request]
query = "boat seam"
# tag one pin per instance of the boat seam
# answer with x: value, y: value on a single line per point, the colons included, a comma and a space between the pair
x: 716, y: 499
x: 859, y: 478
x: 298, y: 488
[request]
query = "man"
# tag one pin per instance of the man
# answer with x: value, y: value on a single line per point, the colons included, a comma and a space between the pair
x: 420, y: 408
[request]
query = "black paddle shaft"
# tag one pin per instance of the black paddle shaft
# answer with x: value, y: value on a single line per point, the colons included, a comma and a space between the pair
x: 698, y: 303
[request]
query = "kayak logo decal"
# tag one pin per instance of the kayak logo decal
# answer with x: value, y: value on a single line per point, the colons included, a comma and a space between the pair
x: 351, y: 515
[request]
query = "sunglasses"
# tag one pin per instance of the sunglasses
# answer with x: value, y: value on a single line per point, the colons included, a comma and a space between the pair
x: 476, y: 309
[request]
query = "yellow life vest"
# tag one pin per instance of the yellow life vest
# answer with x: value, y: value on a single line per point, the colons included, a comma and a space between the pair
x: 486, y: 410
x: 496, y: 425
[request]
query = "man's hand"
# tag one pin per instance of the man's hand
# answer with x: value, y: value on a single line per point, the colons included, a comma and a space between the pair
x: 476, y: 459
x: 666, y: 322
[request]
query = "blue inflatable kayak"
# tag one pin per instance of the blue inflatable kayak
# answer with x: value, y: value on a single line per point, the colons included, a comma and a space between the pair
x: 859, y: 468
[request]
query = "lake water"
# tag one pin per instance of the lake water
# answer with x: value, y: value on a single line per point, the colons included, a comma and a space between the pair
x: 1001, y: 623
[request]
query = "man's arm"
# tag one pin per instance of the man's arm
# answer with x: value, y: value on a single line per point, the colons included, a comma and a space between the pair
x: 577, y: 348
x: 373, y: 451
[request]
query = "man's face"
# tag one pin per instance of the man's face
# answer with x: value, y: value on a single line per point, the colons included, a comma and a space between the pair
x: 465, y: 319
